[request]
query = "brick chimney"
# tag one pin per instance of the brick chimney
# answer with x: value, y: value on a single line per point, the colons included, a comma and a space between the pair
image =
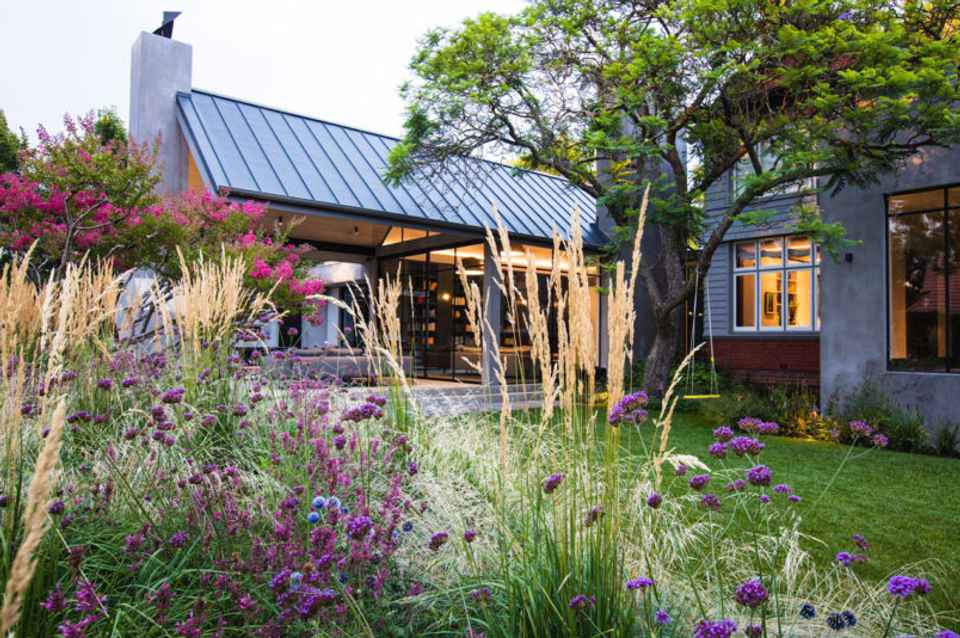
x: 159, y: 68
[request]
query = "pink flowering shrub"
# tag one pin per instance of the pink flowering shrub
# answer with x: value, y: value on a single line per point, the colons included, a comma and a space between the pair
x: 77, y: 195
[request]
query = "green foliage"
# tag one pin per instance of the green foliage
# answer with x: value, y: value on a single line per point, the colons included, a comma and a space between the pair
x: 10, y: 147
x: 945, y: 439
x: 904, y: 426
x: 607, y: 93
x: 109, y: 127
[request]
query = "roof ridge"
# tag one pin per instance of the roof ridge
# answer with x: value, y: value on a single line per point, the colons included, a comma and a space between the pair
x: 259, y: 105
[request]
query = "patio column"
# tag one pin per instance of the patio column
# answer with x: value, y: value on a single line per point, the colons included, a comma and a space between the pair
x: 492, y: 305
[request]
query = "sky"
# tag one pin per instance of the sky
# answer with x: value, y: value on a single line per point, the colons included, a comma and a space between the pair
x: 338, y: 60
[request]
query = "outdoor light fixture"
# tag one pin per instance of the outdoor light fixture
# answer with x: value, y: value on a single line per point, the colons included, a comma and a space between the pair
x: 445, y: 296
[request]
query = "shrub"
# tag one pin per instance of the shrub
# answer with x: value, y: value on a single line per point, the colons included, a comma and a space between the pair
x: 945, y: 439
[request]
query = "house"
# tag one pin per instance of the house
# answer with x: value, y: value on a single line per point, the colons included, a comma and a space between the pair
x: 887, y: 310
x: 329, y: 177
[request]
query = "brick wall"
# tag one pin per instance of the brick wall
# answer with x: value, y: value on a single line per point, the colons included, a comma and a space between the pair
x: 770, y: 361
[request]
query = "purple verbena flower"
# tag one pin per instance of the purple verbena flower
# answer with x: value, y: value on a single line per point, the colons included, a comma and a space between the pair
x: 581, y: 602
x: 719, y: 629
x: 654, y: 500
x: 711, y: 502
x: 700, y: 481
x: 437, y: 541
x: 723, y: 434
x: 641, y: 583
x: 759, y: 476
x: 751, y: 594
x: 553, y: 482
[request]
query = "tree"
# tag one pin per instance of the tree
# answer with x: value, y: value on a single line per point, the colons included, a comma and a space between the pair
x: 10, y: 146
x: 610, y: 93
x: 88, y: 192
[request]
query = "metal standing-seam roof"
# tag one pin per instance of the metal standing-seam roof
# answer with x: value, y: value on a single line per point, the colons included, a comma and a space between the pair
x: 274, y: 155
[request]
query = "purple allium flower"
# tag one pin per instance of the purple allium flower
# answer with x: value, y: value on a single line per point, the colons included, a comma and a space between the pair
x: 759, y: 476
x: 861, y: 543
x: 173, y: 396
x: 836, y: 622
x: 105, y: 383
x: 719, y: 629
x: 700, y: 481
x: 412, y: 468
x: 581, y: 602
x: 782, y: 489
x: 640, y: 583
x: 553, y: 482
x: 880, y: 441
x: 753, y: 631
x: 654, y: 500
x: 359, y: 527
x: 318, y: 502
x: 723, y: 434
x: 437, y: 541
x: 711, y: 502
x: 849, y: 617
x: 860, y: 428
x: 178, y: 540
x: 661, y: 617
x: 903, y: 586
x: 808, y: 611
x: 681, y: 470
x: 469, y: 535
x: 718, y: 450
x: 594, y: 514
x: 751, y: 594
x: 313, y: 518
x: 481, y: 595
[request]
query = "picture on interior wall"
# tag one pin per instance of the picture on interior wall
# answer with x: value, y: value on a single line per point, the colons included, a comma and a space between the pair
x: 769, y: 303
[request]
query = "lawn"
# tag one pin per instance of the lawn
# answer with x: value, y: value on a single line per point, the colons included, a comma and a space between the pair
x: 906, y: 505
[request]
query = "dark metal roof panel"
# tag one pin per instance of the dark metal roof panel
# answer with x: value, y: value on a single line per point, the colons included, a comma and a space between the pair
x: 253, y: 148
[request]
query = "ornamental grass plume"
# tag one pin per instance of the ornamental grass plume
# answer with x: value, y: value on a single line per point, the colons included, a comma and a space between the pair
x: 36, y: 523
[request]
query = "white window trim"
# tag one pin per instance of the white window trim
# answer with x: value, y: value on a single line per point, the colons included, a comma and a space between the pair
x: 813, y: 267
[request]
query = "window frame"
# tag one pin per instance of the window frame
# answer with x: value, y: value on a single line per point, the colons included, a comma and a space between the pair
x: 783, y: 269
x: 949, y: 367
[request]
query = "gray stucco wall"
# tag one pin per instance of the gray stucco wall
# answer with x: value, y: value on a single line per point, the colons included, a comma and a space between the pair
x: 159, y: 68
x: 853, y: 337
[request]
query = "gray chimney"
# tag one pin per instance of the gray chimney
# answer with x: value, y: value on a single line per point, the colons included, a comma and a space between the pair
x: 159, y: 68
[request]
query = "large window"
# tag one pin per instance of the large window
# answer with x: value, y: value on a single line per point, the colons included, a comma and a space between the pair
x: 924, y: 280
x: 776, y: 284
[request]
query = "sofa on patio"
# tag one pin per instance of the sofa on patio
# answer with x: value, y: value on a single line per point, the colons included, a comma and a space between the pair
x: 517, y: 361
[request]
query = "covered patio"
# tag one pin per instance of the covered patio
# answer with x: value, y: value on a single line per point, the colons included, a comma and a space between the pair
x: 329, y: 179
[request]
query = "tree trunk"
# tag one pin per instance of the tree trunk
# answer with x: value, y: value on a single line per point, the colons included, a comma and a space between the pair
x: 663, y: 354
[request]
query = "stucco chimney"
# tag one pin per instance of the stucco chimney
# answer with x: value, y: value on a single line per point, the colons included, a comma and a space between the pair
x: 159, y: 68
